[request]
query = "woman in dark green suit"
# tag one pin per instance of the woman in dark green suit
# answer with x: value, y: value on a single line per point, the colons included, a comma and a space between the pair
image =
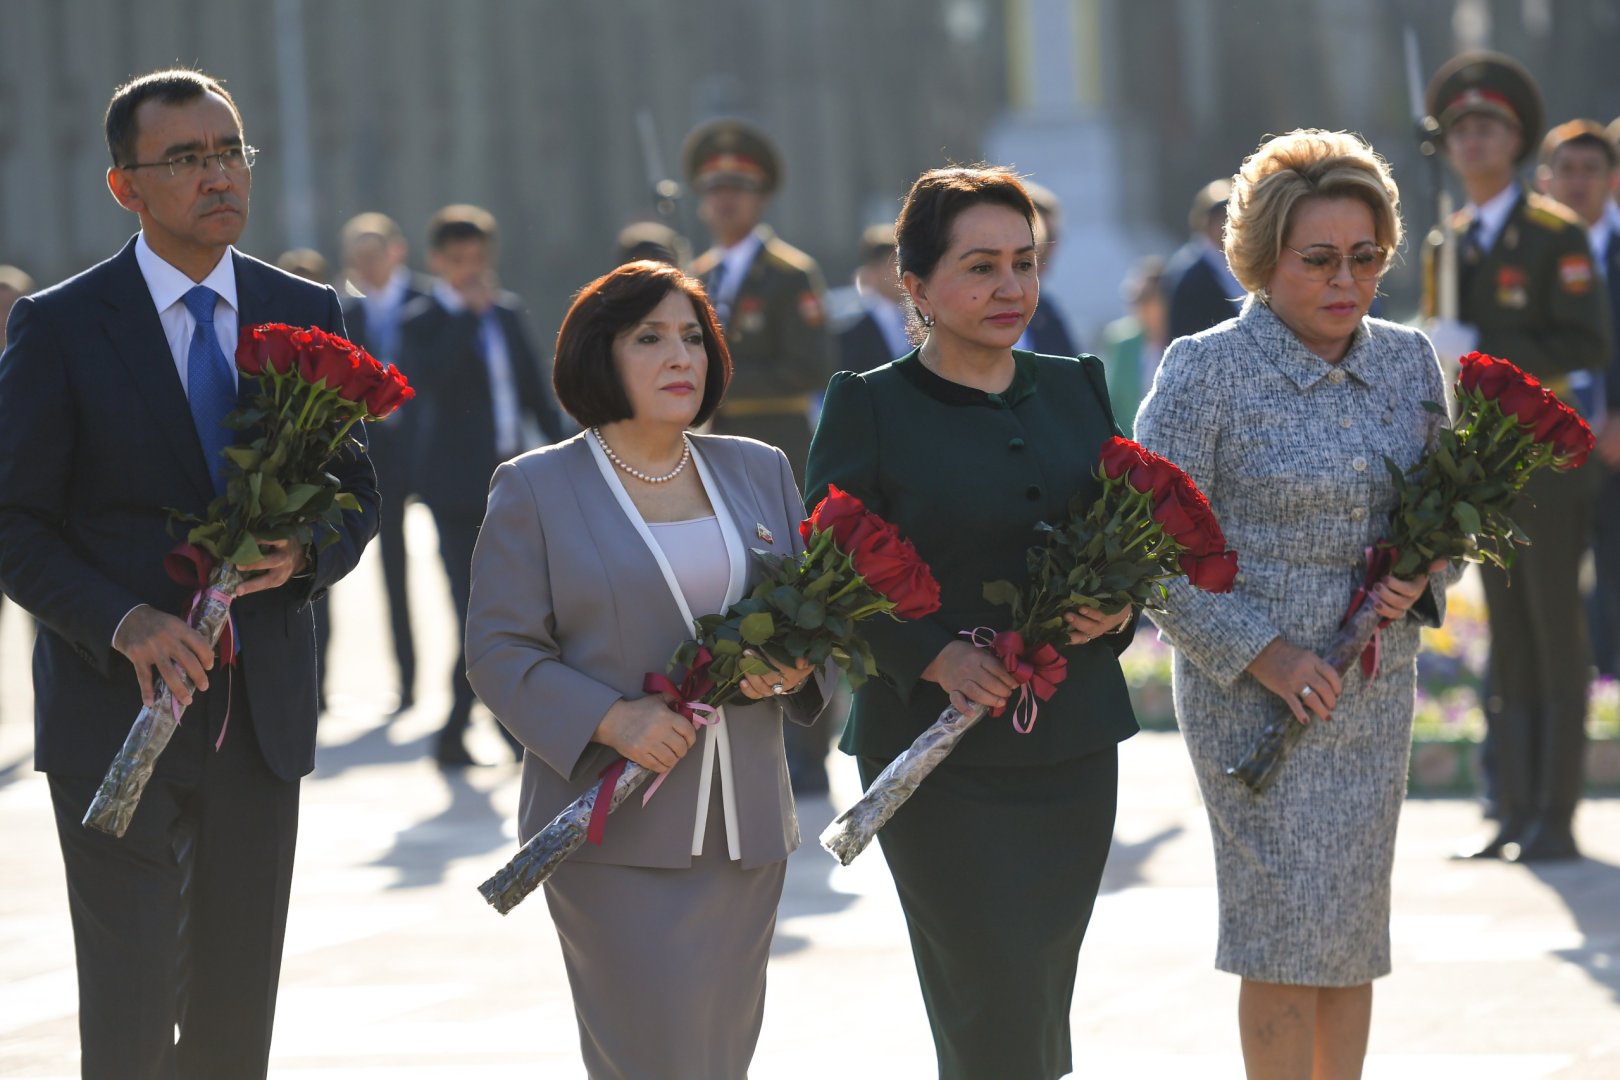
x: 966, y: 444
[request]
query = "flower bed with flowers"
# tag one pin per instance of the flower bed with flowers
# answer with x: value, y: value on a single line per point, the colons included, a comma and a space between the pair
x: 1449, y: 721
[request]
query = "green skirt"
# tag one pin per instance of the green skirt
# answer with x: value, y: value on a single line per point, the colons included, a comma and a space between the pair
x: 997, y: 870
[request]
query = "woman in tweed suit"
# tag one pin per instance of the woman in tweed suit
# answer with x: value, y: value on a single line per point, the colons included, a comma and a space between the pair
x: 1284, y: 416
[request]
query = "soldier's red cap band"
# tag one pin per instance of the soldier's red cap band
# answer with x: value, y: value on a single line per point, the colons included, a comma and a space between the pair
x: 1475, y: 97
x: 732, y: 162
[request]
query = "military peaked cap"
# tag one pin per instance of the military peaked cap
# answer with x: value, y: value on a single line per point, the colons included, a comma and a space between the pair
x: 730, y: 151
x: 1488, y: 82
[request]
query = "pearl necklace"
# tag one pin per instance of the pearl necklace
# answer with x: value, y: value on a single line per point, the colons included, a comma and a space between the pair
x: 686, y: 455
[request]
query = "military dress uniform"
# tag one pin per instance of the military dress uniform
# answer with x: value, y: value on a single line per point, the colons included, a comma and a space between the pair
x: 1535, y: 299
x: 781, y: 351
x: 772, y: 309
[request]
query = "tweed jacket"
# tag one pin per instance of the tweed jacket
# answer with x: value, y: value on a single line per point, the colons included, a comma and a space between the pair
x: 571, y: 608
x: 1290, y: 450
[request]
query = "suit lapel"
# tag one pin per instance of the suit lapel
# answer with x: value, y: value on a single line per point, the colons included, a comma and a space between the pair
x: 136, y: 334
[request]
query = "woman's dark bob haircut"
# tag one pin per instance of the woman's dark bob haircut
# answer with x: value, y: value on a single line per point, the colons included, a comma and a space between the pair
x: 583, y: 375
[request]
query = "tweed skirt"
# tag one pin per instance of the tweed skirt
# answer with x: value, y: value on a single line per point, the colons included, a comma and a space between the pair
x: 667, y: 967
x: 1303, y: 870
x: 997, y: 870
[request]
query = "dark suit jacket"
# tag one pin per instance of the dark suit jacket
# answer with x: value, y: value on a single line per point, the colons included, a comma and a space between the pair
x: 862, y: 346
x: 96, y: 444
x: 391, y: 440
x: 1049, y: 332
x: 1196, y: 293
x: 455, y: 453
x: 966, y: 477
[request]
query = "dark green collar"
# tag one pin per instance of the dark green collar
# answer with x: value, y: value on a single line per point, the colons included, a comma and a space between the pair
x: 947, y: 392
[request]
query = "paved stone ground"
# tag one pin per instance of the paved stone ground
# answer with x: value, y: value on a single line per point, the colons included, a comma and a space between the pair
x: 396, y: 969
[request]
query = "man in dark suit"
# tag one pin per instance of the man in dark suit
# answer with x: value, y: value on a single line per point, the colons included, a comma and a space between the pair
x: 1199, y: 285
x: 380, y: 287
x: 1048, y: 331
x: 1528, y: 292
x: 114, y: 382
x: 879, y: 334
x: 466, y: 348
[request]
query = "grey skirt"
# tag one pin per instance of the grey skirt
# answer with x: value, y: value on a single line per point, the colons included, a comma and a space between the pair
x: 1303, y: 871
x: 667, y: 967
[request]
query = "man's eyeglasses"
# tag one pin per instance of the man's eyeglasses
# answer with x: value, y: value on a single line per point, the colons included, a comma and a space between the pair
x: 1322, y: 262
x: 233, y: 159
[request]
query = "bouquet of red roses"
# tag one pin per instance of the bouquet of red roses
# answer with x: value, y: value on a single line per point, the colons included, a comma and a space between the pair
x: 309, y: 390
x: 1149, y: 525
x: 1452, y: 504
x: 856, y: 566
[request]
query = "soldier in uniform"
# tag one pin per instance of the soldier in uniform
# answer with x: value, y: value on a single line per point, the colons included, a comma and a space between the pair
x: 769, y: 298
x: 1528, y: 292
x: 768, y: 293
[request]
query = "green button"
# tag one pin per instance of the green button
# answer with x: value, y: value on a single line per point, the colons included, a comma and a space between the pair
x: 1015, y: 443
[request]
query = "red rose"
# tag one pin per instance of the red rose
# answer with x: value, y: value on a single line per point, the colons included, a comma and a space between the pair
x: 1212, y: 573
x: 271, y: 346
x: 1186, y: 515
x: 1526, y: 402
x: 388, y: 394
x: 1570, y: 438
x: 1175, y: 519
x: 891, y: 567
x: 1118, y: 457
x: 840, y: 513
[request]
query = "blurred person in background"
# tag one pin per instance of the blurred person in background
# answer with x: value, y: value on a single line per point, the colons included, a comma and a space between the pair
x: 879, y: 335
x: 1200, y: 286
x: 1528, y: 291
x: 1284, y: 418
x: 1134, y: 343
x: 467, y: 349
x: 307, y: 263
x: 769, y: 296
x: 378, y: 286
x: 1048, y: 331
x: 14, y: 285
x: 653, y: 240
x: 1580, y: 168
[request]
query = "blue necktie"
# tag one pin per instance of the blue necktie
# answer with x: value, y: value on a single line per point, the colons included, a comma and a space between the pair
x: 210, y: 385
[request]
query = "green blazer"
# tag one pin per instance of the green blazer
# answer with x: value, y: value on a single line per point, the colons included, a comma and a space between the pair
x: 966, y: 476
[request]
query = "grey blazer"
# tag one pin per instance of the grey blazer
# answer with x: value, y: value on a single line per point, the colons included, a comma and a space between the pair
x: 570, y: 609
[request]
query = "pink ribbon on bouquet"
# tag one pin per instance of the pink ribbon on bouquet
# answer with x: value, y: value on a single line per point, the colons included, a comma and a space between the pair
x: 687, y: 703
x: 1380, y: 561
x: 1037, y: 672
x: 191, y: 567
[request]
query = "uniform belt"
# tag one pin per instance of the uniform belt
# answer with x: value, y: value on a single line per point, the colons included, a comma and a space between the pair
x: 797, y: 404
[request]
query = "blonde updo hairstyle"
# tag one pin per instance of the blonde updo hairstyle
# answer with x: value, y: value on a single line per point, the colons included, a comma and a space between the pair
x: 1306, y: 163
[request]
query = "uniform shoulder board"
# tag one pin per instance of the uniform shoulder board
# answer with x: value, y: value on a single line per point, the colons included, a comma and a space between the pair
x: 704, y: 262
x: 790, y: 256
x: 1550, y: 214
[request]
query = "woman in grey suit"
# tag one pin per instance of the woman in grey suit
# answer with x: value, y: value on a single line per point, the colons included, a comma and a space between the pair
x: 1284, y: 416
x: 595, y: 556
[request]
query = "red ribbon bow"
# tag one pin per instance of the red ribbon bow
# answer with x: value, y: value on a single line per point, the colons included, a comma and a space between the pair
x: 1380, y: 561
x: 694, y: 685
x: 1037, y: 672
